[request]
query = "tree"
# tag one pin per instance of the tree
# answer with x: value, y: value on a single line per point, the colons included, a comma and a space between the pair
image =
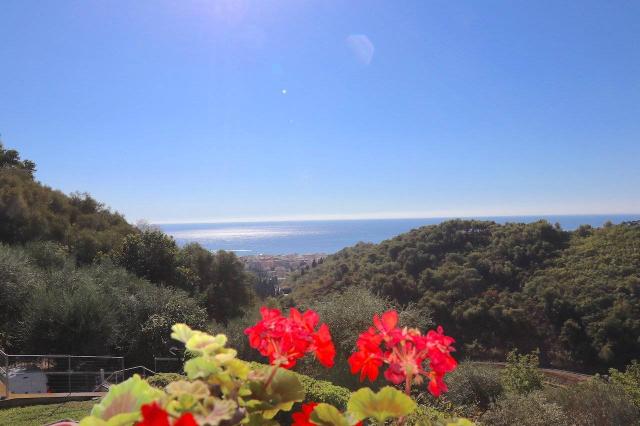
x: 150, y: 254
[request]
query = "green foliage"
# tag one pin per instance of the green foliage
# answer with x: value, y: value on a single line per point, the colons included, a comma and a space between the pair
x: 121, y: 405
x: 18, y: 280
x: 54, y: 306
x: 590, y: 296
x: 323, y: 391
x: 220, y: 277
x: 63, y: 294
x: 387, y: 403
x: 38, y: 415
x: 222, y: 390
x: 497, y: 287
x: 161, y: 380
x: 348, y: 313
x: 629, y: 380
x: 474, y: 387
x: 10, y: 159
x: 30, y: 211
x: 595, y: 403
x: 150, y: 254
x: 468, y: 274
x: 533, y: 409
x: 318, y: 390
x: 521, y: 374
x: 328, y: 415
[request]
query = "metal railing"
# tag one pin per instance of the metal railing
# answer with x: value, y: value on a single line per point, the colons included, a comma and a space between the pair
x: 122, y: 375
x: 168, y: 365
x: 31, y: 374
x: 4, y: 375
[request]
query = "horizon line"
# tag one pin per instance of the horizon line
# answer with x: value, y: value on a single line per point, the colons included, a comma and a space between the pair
x: 354, y: 217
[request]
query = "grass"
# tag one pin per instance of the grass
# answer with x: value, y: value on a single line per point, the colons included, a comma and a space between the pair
x: 38, y: 415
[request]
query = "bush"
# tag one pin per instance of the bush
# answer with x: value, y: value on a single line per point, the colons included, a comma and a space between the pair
x: 629, y: 381
x: 18, y: 281
x: 473, y: 386
x: 161, y: 380
x: 318, y: 390
x: 521, y: 375
x: 347, y: 314
x: 595, y: 403
x: 525, y: 410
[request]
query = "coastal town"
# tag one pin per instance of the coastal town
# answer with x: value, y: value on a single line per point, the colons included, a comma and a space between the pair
x: 279, y: 266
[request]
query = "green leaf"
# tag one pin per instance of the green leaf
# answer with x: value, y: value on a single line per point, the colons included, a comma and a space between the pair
x: 204, y: 343
x: 197, y: 389
x: 218, y: 410
x: 328, y: 415
x: 121, y: 406
x: 387, y: 403
x: 197, y: 368
x: 181, y: 332
x: 284, y: 390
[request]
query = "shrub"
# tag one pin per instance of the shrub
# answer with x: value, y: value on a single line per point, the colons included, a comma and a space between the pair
x: 595, y: 403
x: 18, y: 281
x: 525, y: 410
x: 629, y: 381
x: 521, y: 374
x: 347, y: 314
x: 473, y: 386
x: 161, y: 380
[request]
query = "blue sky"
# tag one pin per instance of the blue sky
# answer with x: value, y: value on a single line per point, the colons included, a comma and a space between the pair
x: 211, y: 110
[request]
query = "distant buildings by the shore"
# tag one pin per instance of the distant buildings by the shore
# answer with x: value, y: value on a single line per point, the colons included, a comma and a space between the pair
x: 281, y: 266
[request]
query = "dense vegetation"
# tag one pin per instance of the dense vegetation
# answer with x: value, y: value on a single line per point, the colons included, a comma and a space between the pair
x: 75, y: 277
x: 573, y: 295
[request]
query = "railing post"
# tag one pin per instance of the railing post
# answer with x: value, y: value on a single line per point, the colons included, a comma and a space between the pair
x: 69, y: 373
x: 6, y: 372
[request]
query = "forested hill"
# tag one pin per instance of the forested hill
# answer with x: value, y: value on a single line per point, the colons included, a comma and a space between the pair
x: 76, y: 278
x: 31, y: 211
x: 574, y: 295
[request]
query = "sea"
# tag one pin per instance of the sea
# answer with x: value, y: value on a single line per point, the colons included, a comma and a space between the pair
x: 330, y: 236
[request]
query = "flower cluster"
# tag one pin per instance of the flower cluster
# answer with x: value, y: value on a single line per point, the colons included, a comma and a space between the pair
x: 154, y: 415
x: 405, y: 351
x: 286, y: 339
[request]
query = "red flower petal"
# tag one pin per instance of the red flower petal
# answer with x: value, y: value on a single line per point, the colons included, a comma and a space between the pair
x: 153, y: 415
x: 302, y: 417
x: 186, y: 419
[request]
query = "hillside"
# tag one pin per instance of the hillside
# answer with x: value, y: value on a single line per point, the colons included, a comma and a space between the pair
x: 31, y: 211
x: 76, y: 277
x: 574, y: 295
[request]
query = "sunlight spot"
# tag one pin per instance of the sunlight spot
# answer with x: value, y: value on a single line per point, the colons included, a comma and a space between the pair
x: 361, y: 48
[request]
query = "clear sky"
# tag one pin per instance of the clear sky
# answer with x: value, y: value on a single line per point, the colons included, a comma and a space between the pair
x: 192, y: 110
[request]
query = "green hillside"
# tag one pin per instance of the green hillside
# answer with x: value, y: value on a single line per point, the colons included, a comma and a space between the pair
x: 574, y: 295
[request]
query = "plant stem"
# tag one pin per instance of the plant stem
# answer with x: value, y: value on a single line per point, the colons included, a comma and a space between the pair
x: 407, y: 390
x: 271, y: 376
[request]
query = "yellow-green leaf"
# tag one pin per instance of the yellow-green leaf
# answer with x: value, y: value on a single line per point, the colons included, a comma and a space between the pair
x: 328, y: 415
x: 181, y: 332
x: 387, y: 403
x: 197, y: 389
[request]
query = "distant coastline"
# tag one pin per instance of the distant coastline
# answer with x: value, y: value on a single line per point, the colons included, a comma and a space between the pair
x: 330, y: 236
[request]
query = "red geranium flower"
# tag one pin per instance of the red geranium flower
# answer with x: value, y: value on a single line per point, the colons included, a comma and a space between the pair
x: 302, y: 417
x: 285, y: 340
x: 405, y: 351
x: 154, y: 415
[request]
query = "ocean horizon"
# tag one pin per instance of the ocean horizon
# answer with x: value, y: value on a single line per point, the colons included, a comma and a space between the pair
x: 330, y: 236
